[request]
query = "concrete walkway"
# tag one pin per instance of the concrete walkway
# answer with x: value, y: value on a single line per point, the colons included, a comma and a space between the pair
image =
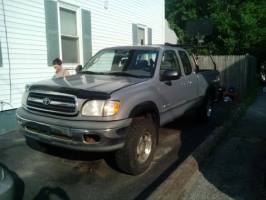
x: 237, y: 167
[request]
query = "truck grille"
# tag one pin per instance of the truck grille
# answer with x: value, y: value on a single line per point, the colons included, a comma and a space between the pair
x: 52, y: 102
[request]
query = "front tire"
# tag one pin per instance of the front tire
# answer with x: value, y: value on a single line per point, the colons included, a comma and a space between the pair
x: 136, y: 156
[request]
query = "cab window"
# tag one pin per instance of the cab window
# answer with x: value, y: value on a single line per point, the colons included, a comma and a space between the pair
x: 170, y: 62
x: 186, y: 63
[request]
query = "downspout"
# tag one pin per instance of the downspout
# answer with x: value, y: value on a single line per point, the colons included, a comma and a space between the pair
x: 8, y: 58
x: 163, y: 21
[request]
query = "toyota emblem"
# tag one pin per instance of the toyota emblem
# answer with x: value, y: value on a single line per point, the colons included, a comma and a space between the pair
x: 46, y: 101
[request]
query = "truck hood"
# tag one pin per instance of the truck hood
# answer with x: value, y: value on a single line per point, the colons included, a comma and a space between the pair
x: 84, y: 85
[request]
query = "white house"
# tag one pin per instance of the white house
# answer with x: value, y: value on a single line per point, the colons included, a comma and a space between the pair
x: 34, y: 32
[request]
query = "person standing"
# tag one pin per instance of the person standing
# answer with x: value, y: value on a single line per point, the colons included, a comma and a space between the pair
x: 59, y: 70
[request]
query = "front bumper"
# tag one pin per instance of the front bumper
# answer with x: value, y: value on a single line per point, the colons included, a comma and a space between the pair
x: 71, y: 134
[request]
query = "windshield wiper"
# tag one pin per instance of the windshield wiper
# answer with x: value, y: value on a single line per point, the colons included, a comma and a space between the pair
x: 91, y: 72
x: 127, y: 74
x: 115, y: 74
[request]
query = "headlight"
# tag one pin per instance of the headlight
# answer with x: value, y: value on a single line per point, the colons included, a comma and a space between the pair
x: 100, y: 108
x: 111, y: 108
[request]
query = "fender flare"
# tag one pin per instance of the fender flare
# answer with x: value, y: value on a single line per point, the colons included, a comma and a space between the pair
x: 147, y: 107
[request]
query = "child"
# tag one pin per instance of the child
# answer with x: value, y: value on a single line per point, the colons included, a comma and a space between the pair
x: 59, y: 70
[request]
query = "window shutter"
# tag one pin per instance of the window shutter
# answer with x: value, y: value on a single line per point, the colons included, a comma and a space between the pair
x: 52, y: 35
x: 149, y: 36
x: 86, y: 35
x: 135, y: 34
x: 1, y: 58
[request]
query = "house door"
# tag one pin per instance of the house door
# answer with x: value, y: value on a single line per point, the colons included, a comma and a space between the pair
x: 141, y: 36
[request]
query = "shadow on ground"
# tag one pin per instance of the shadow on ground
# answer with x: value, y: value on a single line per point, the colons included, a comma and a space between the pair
x: 47, y: 192
x: 237, y: 167
x: 193, y: 133
x: 78, y: 175
x: 19, y: 185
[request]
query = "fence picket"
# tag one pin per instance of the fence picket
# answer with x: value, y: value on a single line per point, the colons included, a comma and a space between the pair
x: 238, y: 71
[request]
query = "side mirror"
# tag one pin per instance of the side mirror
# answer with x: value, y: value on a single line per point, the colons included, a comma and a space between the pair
x: 78, y: 68
x: 169, y: 75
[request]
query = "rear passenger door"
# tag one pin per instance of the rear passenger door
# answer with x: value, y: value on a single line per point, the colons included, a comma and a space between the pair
x: 191, y: 89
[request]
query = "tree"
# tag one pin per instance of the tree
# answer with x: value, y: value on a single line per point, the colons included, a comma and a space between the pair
x: 239, y: 26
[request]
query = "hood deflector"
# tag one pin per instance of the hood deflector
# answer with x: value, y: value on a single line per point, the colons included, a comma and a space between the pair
x: 80, y: 93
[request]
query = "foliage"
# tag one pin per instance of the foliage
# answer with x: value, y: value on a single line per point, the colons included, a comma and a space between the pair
x: 239, y: 26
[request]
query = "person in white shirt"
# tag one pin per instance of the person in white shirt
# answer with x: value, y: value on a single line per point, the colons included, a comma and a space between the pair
x: 59, y: 70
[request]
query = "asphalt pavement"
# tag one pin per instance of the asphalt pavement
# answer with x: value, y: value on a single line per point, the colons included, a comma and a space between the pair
x: 54, y: 173
x: 237, y: 168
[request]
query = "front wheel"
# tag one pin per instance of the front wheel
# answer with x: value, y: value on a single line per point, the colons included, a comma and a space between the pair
x: 136, y: 156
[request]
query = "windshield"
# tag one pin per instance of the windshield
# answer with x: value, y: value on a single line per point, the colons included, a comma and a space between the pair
x: 124, y: 62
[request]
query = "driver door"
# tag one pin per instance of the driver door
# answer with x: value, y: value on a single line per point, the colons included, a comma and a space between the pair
x: 171, y: 92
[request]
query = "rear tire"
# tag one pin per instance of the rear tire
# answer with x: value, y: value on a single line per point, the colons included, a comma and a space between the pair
x: 263, y: 77
x: 136, y: 155
x: 205, y: 111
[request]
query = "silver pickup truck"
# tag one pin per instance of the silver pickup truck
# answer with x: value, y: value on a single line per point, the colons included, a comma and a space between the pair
x: 117, y: 102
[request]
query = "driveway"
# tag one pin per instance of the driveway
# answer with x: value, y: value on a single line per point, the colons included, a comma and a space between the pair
x: 53, y: 172
x: 237, y: 168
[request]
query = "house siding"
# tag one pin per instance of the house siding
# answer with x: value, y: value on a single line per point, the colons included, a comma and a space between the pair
x: 26, y: 33
x: 25, y: 26
x: 4, y: 69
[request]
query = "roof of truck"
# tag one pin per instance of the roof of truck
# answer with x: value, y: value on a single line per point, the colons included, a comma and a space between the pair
x: 145, y: 47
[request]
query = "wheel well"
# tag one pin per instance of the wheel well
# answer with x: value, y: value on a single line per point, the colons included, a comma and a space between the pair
x: 145, y: 108
x: 211, y: 91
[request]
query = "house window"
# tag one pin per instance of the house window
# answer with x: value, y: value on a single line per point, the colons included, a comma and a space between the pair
x: 69, y: 36
x: 141, y: 36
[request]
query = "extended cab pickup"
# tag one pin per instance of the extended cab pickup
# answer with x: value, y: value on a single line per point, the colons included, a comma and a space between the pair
x: 117, y: 102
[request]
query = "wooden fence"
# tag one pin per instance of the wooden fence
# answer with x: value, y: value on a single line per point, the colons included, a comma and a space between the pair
x: 238, y: 71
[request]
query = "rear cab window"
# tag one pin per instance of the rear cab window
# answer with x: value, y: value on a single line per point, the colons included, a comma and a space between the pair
x: 186, y: 62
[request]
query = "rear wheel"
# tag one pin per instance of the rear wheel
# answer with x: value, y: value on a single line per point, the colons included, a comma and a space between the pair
x: 137, y: 154
x: 205, y: 112
x: 263, y: 77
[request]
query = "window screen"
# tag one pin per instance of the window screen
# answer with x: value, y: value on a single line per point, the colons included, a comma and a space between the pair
x: 186, y: 63
x: 69, y: 36
x: 69, y: 50
x: 68, y: 22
